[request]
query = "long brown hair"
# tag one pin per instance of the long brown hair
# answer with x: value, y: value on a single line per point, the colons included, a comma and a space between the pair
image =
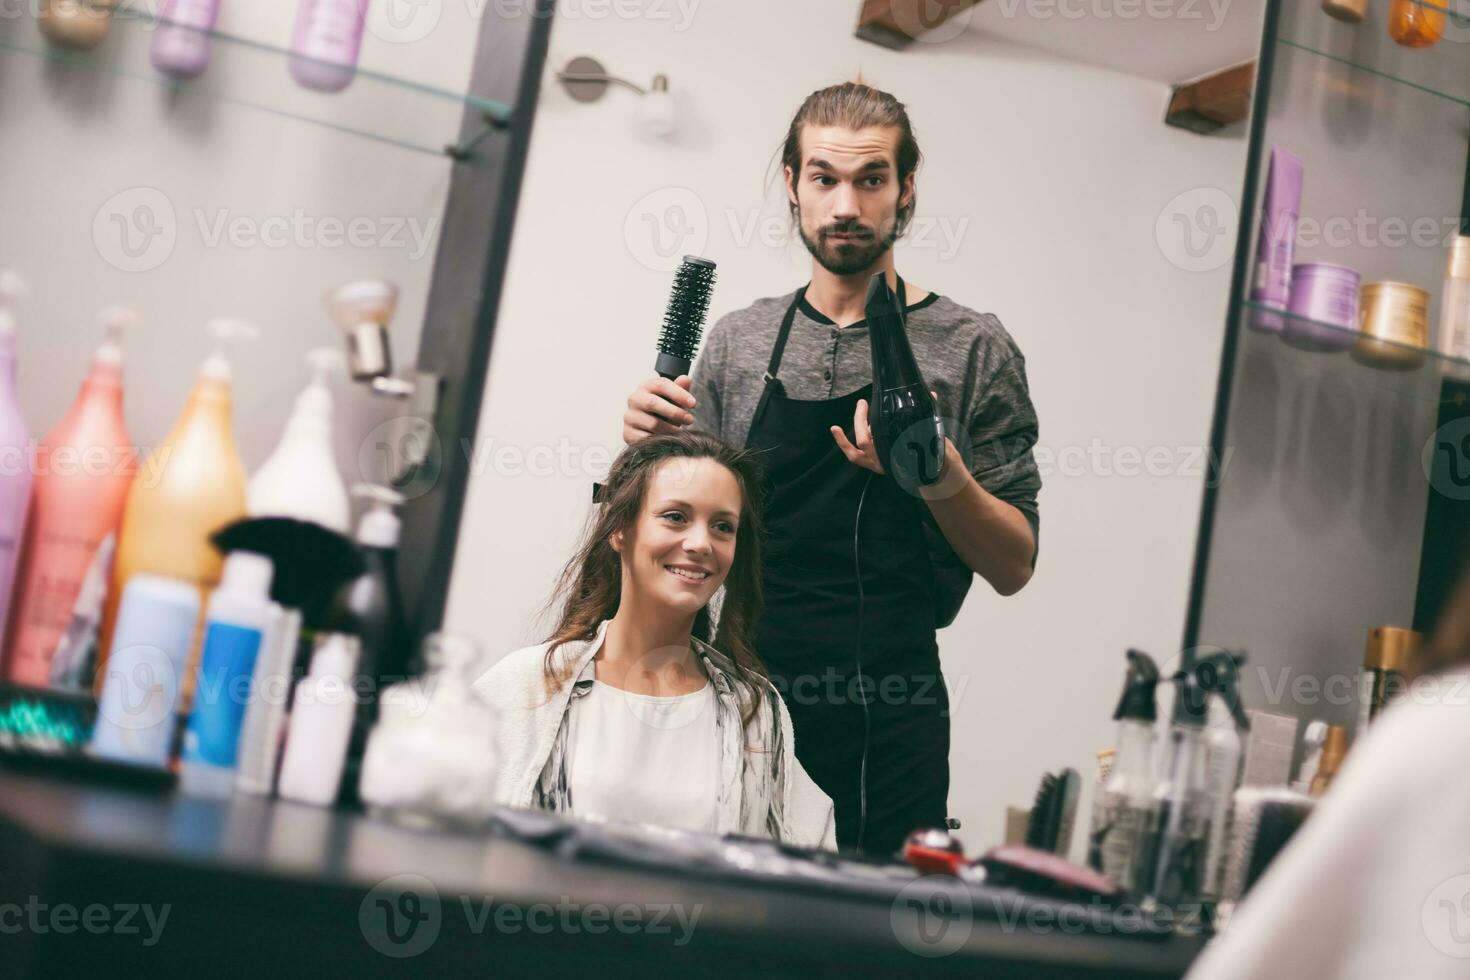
x: 855, y: 105
x: 591, y: 585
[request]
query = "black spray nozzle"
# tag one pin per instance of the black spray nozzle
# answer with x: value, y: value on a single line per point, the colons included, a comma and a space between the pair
x: 1139, y: 701
x: 1217, y: 673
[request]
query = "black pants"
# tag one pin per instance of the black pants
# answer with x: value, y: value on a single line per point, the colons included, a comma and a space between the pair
x: 904, y: 711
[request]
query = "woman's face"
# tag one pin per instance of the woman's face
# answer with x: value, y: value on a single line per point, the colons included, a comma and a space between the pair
x: 682, y: 543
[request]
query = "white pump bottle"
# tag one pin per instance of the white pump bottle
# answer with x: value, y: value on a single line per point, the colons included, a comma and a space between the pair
x: 300, y: 479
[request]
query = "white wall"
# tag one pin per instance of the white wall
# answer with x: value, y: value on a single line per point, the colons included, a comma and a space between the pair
x: 1053, y: 174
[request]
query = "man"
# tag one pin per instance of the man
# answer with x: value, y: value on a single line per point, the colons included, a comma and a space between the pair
x: 859, y: 573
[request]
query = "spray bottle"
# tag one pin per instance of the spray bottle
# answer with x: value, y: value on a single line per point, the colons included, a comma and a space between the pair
x: 1227, y: 720
x: 15, y: 459
x: 72, y: 532
x: 189, y: 487
x: 300, y: 478
x: 1122, y: 803
x: 370, y: 609
x: 1170, y: 870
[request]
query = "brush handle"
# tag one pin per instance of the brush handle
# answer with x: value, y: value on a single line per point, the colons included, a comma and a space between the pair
x: 671, y: 367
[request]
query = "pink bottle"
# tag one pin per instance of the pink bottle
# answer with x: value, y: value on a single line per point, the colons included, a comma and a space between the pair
x: 84, y: 467
x: 181, y: 37
x: 15, y: 458
x: 325, y: 43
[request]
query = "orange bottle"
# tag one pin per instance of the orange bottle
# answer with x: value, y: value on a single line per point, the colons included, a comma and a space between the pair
x: 191, y: 485
x: 83, y: 469
x: 1417, y: 23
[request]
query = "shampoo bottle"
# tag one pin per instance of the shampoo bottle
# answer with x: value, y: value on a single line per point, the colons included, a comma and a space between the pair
x: 234, y: 628
x: 15, y: 460
x: 84, y: 468
x: 370, y: 609
x: 181, y: 37
x: 139, y: 705
x: 326, y: 42
x: 188, y: 488
x: 1122, y: 803
x: 300, y: 478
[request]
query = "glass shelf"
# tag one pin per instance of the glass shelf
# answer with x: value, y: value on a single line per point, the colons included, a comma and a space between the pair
x: 1317, y: 337
x: 1441, y: 70
x: 257, y: 75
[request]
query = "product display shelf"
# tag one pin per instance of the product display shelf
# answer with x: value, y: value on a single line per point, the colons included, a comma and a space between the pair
x: 1438, y: 70
x: 1336, y: 343
x: 1339, y: 473
x: 253, y: 74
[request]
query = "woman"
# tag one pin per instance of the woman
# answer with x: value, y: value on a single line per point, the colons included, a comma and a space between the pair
x: 627, y: 712
x: 1377, y: 881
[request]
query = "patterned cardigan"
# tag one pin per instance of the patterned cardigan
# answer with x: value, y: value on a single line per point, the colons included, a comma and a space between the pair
x: 763, y: 791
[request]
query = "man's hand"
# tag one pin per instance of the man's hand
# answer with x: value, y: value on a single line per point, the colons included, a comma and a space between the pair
x: 865, y: 453
x: 658, y: 406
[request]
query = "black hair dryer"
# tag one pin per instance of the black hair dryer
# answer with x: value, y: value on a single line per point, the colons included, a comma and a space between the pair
x: 907, y: 429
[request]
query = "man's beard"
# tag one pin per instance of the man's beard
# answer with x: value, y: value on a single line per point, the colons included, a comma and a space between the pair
x: 850, y: 257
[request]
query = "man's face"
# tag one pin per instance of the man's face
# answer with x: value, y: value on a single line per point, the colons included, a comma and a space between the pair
x: 848, y: 195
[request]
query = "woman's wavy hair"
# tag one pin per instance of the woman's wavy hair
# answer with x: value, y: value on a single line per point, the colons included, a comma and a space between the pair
x: 590, y: 586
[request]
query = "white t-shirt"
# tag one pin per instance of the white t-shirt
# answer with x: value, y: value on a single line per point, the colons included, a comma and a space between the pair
x: 645, y: 758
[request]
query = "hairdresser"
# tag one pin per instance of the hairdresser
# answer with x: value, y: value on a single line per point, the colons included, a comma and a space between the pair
x: 848, y: 632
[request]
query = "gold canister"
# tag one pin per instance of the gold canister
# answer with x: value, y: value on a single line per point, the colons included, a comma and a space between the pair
x: 1352, y: 11
x: 1390, y: 647
x: 1334, y: 749
x: 1394, y: 322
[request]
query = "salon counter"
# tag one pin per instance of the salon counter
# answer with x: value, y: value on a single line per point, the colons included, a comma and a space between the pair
x: 268, y: 888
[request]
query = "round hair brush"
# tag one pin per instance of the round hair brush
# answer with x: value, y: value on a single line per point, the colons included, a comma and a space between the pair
x: 684, y: 321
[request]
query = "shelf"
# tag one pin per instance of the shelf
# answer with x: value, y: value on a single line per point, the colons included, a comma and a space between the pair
x: 257, y: 75
x: 1441, y: 70
x: 1332, y: 340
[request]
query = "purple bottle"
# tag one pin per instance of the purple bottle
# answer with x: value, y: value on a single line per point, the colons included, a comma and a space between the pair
x: 15, y: 447
x: 181, y: 38
x: 326, y: 42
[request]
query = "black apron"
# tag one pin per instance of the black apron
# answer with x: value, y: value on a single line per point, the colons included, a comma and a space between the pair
x: 855, y: 658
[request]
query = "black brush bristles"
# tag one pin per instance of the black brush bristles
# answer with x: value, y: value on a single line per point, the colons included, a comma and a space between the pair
x: 678, y: 341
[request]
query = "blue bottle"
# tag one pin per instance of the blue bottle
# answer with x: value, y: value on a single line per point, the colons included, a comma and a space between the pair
x: 234, y: 628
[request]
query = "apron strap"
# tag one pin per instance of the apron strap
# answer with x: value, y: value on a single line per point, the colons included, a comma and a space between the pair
x: 785, y: 333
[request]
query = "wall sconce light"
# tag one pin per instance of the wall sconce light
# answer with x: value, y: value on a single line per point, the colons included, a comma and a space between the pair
x: 587, y: 81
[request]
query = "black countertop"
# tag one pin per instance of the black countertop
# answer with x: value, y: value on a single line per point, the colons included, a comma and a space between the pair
x: 98, y: 881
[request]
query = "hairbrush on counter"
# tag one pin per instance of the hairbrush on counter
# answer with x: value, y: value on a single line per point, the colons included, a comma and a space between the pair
x: 678, y: 342
x: 905, y: 420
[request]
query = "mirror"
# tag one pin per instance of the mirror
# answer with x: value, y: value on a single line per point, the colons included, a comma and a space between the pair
x: 1067, y: 252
